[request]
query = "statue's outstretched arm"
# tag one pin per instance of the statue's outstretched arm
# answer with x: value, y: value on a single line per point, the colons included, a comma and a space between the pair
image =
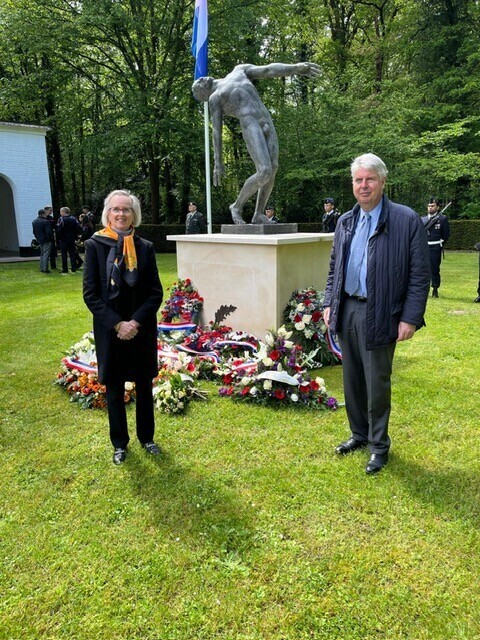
x: 217, y: 124
x: 279, y: 70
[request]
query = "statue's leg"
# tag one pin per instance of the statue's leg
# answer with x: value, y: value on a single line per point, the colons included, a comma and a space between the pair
x: 236, y: 214
x: 262, y: 199
x: 259, y: 152
x: 265, y: 191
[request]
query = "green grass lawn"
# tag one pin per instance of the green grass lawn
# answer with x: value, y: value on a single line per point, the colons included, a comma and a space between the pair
x: 248, y: 527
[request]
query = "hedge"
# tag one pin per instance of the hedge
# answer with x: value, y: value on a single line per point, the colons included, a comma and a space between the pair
x: 464, y: 233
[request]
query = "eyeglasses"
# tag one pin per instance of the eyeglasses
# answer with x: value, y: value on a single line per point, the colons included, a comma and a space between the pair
x: 118, y: 210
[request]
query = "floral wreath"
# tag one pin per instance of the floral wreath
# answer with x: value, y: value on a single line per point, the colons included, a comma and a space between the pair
x: 303, y: 316
x: 184, y: 303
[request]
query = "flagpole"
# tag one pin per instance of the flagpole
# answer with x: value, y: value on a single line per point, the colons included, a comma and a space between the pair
x: 208, y: 194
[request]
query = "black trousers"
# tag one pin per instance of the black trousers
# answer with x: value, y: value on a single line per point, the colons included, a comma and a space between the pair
x: 117, y: 414
x: 68, y: 249
x: 366, y: 379
x: 435, y: 252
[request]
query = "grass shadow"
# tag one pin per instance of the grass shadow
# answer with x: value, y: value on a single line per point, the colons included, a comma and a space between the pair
x: 454, y: 493
x: 188, y: 506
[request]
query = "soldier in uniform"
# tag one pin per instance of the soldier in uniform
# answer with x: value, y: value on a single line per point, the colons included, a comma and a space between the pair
x: 438, y: 232
x: 477, y: 247
x: 330, y: 217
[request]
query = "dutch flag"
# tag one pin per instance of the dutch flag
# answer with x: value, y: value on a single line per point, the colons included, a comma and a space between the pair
x: 200, y: 39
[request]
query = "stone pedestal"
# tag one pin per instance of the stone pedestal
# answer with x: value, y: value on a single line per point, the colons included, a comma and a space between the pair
x: 260, y: 229
x: 254, y: 273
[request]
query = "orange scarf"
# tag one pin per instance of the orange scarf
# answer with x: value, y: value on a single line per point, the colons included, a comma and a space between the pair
x: 129, y: 253
x: 121, y: 261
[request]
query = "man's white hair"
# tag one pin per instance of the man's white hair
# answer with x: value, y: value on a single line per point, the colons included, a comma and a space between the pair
x: 371, y: 162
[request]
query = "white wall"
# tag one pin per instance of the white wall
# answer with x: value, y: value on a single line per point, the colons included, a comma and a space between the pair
x: 23, y: 163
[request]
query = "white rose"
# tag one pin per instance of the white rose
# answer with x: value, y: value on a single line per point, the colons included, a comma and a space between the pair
x: 320, y: 382
x: 306, y: 319
x: 294, y: 397
x: 288, y: 344
x: 245, y: 381
x: 301, y: 307
x: 253, y: 391
x: 267, y: 362
x: 299, y: 326
x: 267, y: 385
x: 128, y: 386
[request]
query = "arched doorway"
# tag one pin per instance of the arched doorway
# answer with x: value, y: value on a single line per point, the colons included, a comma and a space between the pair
x: 8, y: 224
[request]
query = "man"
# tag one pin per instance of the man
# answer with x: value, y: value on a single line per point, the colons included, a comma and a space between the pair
x: 236, y: 96
x: 271, y: 215
x: 87, y: 223
x: 438, y: 232
x: 330, y: 217
x: 68, y: 231
x: 42, y: 231
x: 376, y: 294
x: 53, y: 223
x: 195, y: 222
x: 477, y: 248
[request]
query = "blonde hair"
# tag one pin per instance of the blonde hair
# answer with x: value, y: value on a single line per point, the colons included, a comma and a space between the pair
x: 137, y: 211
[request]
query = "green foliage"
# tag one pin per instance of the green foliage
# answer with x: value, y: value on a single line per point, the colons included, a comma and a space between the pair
x: 112, y: 79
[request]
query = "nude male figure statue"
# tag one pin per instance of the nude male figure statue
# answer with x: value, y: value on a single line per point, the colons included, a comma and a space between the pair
x: 236, y: 96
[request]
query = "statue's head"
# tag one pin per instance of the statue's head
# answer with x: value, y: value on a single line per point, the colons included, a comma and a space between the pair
x: 203, y: 88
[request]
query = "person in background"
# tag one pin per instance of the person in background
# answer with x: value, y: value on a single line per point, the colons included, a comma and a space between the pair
x: 271, y: 215
x: 195, y: 222
x: 53, y: 253
x: 42, y: 230
x: 438, y: 232
x: 330, y: 217
x: 477, y: 247
x: 376, y: 294
x: 122, y: 289
x: 87, y: 223
x: 68, y: 231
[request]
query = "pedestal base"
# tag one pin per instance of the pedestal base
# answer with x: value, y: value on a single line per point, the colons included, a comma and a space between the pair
x: 256, y: 274
x: 260, y: 229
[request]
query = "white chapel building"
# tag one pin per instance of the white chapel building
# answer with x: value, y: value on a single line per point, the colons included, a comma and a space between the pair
x: 24, y: 183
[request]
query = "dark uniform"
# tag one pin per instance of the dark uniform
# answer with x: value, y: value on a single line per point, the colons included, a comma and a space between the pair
x: 477, y: 247
x: 438, y: 232
x: 329, y: 218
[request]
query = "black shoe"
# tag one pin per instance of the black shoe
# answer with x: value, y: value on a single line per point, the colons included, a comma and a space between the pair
x: 152, y: 448
x: 435, y: 293
x: 119, y: 456
x: 349, y: 445
x: 376, y: 463
x: 477, y: 299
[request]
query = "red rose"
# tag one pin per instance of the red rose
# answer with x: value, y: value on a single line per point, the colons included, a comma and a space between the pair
x: 275, y: 355
x: 314, y: 385
x: 305, y: 387
x: 297, y: 318
x: 245, y: 391
x: 279, y: 394
x: 316, y: 315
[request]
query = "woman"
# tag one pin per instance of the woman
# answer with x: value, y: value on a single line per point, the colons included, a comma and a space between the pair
x: 122, y: 289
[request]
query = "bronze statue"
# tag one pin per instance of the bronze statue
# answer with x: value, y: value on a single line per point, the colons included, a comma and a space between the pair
x: 236, y: 96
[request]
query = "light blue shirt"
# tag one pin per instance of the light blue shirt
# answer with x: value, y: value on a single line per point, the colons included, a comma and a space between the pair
x: 375, y: 215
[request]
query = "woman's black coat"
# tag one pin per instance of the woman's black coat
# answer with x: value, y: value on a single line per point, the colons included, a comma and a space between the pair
x: 123, y: 360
